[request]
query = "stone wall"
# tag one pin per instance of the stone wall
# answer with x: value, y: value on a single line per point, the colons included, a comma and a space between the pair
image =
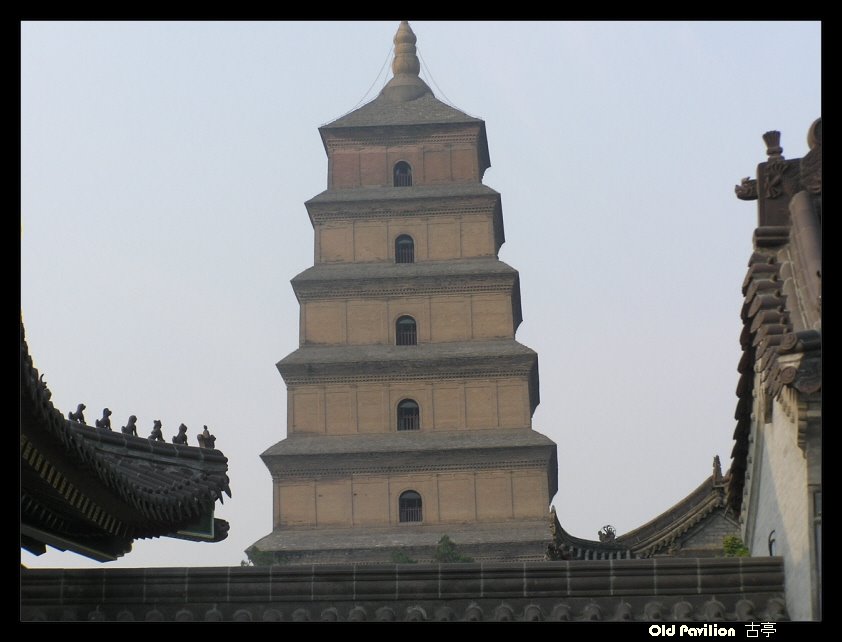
x: 780, y: 502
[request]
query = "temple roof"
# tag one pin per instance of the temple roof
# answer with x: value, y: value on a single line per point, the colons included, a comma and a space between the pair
x: 425, y: 110
x: 94, y: 491
x: 781, y: 313
x: 662, y: 533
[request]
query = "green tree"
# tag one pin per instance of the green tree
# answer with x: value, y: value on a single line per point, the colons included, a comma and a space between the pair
x: 446, y: 552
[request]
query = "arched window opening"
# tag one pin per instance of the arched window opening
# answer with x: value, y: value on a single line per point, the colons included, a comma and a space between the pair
x: 404, y: 249
x: 409, y: 506
x: 405, y: 332
x: 409, y: 416
x: 403, y: 174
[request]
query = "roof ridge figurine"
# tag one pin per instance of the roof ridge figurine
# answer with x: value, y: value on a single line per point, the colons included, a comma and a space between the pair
x: 607, y: 533
x: 105, y: 422
x: 77, y: 416
x: 157, y: 434
x: 130, y: 428
x: 206, y: 439
x: 181, y: 437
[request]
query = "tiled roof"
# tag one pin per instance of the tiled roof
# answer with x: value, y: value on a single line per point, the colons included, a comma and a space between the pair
x: 425, y: 110
x: 388, y: 270
x: 659, y: 533
x: 104, y: 488
x: 402, y: 195
x: 410, y: 440
x: 657, y: 536
x: 303, y: 456
x: 456, y: 351
x: 781, y: 313
x: 406, y: 536
x: 346, y: 363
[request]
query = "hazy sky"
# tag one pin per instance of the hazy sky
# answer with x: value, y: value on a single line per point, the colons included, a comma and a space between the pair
x: 164, y: 168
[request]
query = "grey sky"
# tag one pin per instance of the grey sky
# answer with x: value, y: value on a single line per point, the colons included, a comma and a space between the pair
x: 165, y: 167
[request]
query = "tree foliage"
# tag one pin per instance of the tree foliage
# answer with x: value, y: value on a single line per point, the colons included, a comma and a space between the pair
x: 733, y: 546
x: 399, y: 557
x: 447, y: 553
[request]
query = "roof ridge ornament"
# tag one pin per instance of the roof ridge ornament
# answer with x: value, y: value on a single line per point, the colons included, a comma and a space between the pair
x: 773, y: 144
x: 406, y: 84
x: 406, y: 60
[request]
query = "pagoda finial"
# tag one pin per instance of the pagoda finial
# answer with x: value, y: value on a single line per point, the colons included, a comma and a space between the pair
x: 406, y: 84
x: 405, y: 62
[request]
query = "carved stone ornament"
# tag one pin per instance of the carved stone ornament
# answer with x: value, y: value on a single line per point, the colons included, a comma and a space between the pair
x: 717, y: 469
x: 773, y: 144
x: 747, y: 189
x: 79, y: 415
x: 788, y: 374
x: 105, y: 422
x: 607, y: 533
x: 157, y: 433
x: 775, y: 170
x: 181, y: 437
x: 206, y: 439
x: 131, y: 426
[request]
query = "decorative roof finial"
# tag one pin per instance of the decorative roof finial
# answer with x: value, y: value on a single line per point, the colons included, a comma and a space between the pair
x: 405, y: 62
x: 406, y: 84
x: 773, y: 144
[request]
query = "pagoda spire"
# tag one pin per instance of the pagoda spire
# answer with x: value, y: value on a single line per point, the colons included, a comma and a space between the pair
x: 405, y: 62
x: 405, y: 85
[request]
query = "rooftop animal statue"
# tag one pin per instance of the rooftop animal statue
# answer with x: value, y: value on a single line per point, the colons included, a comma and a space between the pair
x: 44, y: 387
x: 206, y: 440
x: 130, y: 428
x: 156, y: 435
x: 105, y: 422
x: 181, y: 437
x: 77, y: 416
x: 607, y: 533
